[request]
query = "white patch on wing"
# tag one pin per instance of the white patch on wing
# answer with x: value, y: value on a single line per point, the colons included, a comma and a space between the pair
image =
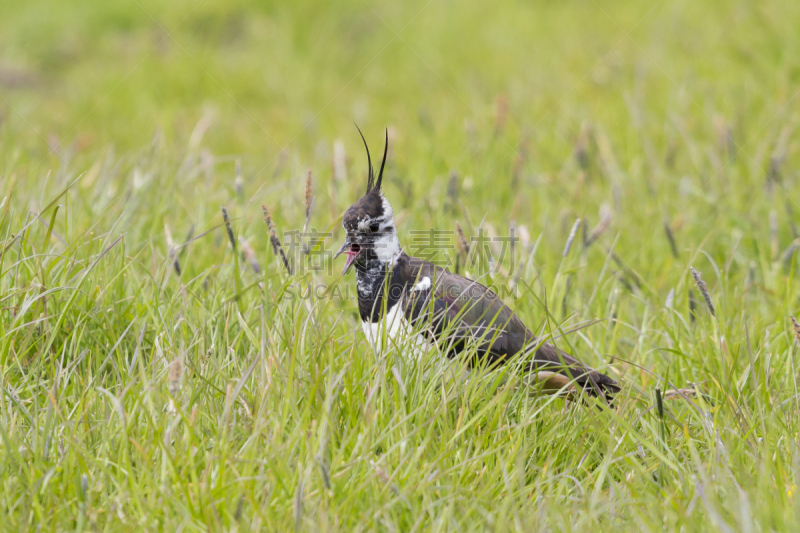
x: 424, y: 284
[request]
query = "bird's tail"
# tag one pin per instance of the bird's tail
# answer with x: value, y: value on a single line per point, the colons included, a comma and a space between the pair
x: 555, y: 371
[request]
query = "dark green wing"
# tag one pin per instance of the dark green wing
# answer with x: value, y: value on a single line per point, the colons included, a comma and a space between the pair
x: 456, y: 311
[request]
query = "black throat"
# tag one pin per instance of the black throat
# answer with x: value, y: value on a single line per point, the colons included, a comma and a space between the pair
x: 374, y: 280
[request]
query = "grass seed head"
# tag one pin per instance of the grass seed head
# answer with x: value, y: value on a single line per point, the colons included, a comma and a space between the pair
x: 581, y: 150
x: 239, y: 508
x: 501, y: 114
x: 602, y: 225
x: 670, y: 299
x: 701, y: 285
x: 571, y: 237
x: 309, y: 199
x: 659, y: 404
x: 788, y: 253
x: 778, y: 157
x: 228, y: 228
x: 172, y: 251
x: 274, y: 240
x: 512, y: 238
x: 725, y: 140
x: 792, y: 218
x: 175, y: 376
x: 268, y: 219
x: 452, y: 192
x: 671, y: 238
x: 326, y: 475
x: 249, y: 255
x: 796, y: 328
x: 462, y: 240
x: 524, y: 236
x: 622, y: 278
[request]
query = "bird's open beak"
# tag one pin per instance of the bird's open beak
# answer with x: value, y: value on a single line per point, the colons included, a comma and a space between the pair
x: 352, y: 250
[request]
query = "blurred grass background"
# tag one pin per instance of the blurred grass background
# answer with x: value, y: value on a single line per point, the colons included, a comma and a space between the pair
x: 113, y: 73
x: 279, y: 83
x: 121, y: 380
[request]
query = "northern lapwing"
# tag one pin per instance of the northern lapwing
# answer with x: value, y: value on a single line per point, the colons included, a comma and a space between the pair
x: 400, y: 295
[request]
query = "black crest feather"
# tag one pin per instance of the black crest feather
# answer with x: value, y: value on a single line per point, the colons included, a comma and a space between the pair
x: 371, y: 178
x: 383, y: 163
x: 371, y: 183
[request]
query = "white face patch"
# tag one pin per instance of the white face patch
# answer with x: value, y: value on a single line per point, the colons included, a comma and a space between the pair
x: 363, y: 224
x: 388, y: 212
x: 387, y: 246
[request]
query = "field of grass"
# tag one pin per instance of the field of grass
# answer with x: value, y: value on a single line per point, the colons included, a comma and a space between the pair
x: 135, y: 397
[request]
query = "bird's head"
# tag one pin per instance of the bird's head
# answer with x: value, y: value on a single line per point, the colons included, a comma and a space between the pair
x: 369, y: 223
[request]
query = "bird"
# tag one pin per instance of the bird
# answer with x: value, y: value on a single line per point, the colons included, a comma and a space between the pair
x: 403, y: 295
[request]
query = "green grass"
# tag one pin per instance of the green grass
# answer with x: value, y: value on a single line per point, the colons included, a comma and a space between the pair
x: 135, y: 399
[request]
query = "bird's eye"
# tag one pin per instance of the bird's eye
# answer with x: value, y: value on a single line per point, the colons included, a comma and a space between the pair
x: 375, y: 228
